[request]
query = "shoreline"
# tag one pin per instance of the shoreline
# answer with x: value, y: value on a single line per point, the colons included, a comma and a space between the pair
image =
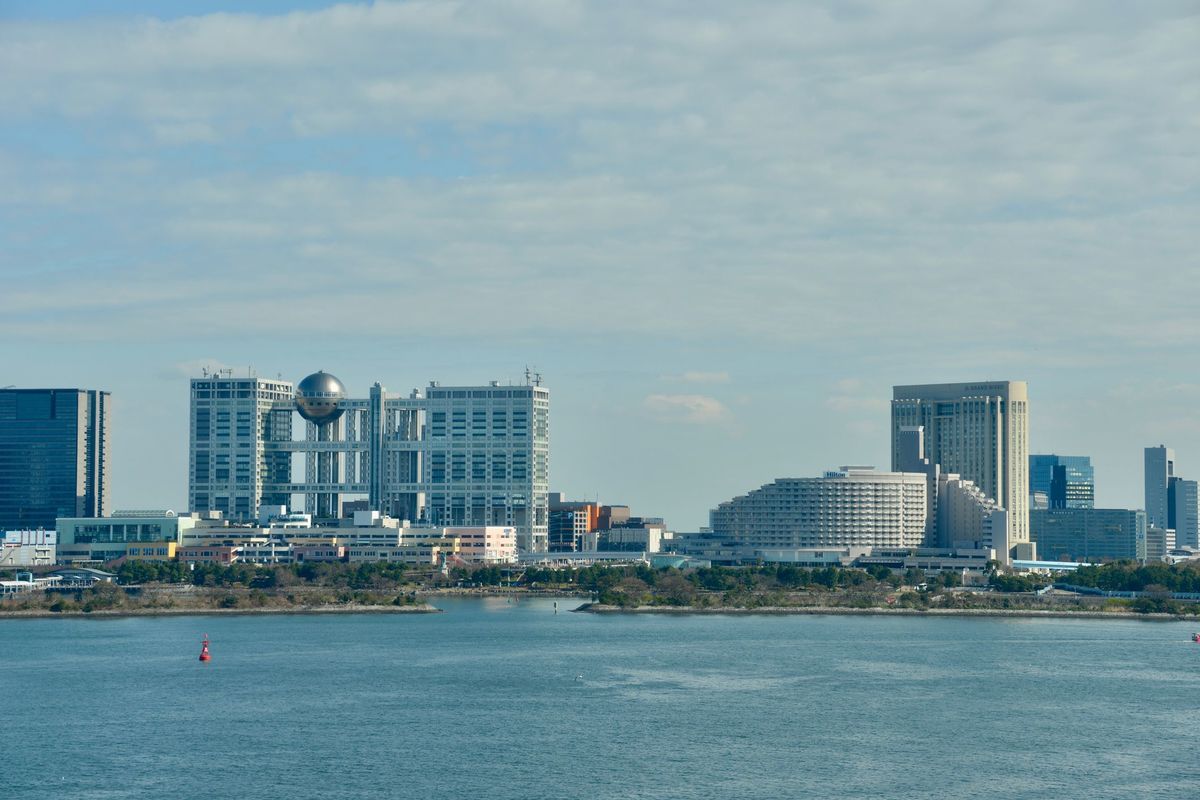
x: 43, y: 613
x: 1034, y: 613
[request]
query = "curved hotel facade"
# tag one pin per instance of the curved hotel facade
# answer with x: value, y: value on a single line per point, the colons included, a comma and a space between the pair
x: 850, y: 507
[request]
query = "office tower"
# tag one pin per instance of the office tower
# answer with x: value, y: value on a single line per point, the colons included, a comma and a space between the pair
x: 1090, y: 534
x: 489, y: 458
x: 54, y: 455
x: 849, y: 507
x: 1160, y: 468
x: 229, y: 465
x: 1183, y: 507
x: 1067, y: 481
x: 451, y: 456
x: 979, y: 431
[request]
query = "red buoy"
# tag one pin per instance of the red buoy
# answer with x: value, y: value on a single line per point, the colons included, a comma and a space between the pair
x: 204, y: 655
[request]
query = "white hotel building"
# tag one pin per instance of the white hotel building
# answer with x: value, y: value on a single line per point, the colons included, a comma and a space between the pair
x: 979, y: 431
x: 849, y: 507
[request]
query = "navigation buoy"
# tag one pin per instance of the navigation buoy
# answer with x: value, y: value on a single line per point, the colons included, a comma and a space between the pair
x: 204, y: 654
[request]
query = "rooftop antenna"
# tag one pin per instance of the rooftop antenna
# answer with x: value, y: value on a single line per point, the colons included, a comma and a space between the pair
x: 204, y: 371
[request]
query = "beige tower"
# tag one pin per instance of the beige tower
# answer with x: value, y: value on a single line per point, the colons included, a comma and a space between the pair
x: 981, y: 432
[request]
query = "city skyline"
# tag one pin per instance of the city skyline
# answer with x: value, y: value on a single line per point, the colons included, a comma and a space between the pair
x: 717, y: 248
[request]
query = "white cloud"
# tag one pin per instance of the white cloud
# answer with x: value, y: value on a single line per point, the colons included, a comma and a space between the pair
x: 767, y: 173
x: 691, y: 408
x: 698, y: 377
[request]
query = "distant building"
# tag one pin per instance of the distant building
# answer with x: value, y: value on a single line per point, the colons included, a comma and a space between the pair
x: 1159, y: 469
x: 459, y: 456
x: 1183, y: 507
x: 977, y: 430
x: 1159, y: 542
x: 230, y: 466
x: 572, y: 525
x: 612, y: 517
x: 1067, y: 481
x: 54, y: 456
x: 1089, y: 534
x: 645, y: 534
x: 28, y: 548
x: 850, y: 507
x: 969, y: 519
x: 151, y: 551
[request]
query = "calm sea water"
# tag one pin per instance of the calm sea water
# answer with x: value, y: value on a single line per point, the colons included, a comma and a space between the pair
x: 499, y: 700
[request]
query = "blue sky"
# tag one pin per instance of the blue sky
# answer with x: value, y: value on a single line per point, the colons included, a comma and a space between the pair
x: 721, y: 231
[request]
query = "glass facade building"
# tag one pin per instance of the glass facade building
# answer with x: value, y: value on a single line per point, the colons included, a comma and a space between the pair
x: 1067, y: 481
x: 1089, y: 534
x: 53, y: 456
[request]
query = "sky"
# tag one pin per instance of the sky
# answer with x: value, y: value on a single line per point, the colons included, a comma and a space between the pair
x: 720, y: 231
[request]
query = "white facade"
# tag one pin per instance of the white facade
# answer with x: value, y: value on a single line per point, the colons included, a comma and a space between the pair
x: 968, y: 518
x: 489, y: 544
x: 647, y: 538
x: 852, y: 507
x: 133, y: 527
x: 36, y: 548
x: 228, y: 464
x: 977, y: 430
x: 458, y: 456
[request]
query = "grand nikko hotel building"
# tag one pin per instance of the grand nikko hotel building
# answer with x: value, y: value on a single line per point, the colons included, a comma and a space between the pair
x: 445, y: 455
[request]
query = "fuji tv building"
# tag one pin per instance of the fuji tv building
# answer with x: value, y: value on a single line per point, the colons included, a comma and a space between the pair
x: 446, y: 455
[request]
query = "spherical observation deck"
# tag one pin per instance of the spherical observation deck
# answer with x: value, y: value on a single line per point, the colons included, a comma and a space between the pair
x: 319, y: 397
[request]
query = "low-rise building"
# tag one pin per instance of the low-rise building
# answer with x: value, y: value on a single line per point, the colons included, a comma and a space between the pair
x: 130, y: 526
x: 490, y: 544
x: 420, y: 554
x: 222, y: 554
x: 271, y: 552
x: 151, y: 551
x: 28, y: 548
x: 81, y: 577
x: 330, y: 551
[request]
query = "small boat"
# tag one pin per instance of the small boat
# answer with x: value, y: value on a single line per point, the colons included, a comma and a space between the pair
x: 204, y: 654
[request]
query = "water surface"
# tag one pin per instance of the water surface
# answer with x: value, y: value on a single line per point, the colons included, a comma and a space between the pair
x: 500, y: 700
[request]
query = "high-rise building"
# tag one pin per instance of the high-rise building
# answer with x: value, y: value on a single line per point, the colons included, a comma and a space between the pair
x: 979, y: 431
x: 450, y: 456
x: 1183, y: 507
x: 229, y: 465
x: 1160, y: 468
x: 852, y: 506
x: 54, y: 456
x: 1067, y: 481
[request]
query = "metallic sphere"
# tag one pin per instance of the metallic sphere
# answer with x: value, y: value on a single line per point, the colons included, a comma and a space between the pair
x: 318, y: 397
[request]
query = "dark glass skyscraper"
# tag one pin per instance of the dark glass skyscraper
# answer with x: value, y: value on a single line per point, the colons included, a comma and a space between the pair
x: 53, y: 456
x: 1068, y: 481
